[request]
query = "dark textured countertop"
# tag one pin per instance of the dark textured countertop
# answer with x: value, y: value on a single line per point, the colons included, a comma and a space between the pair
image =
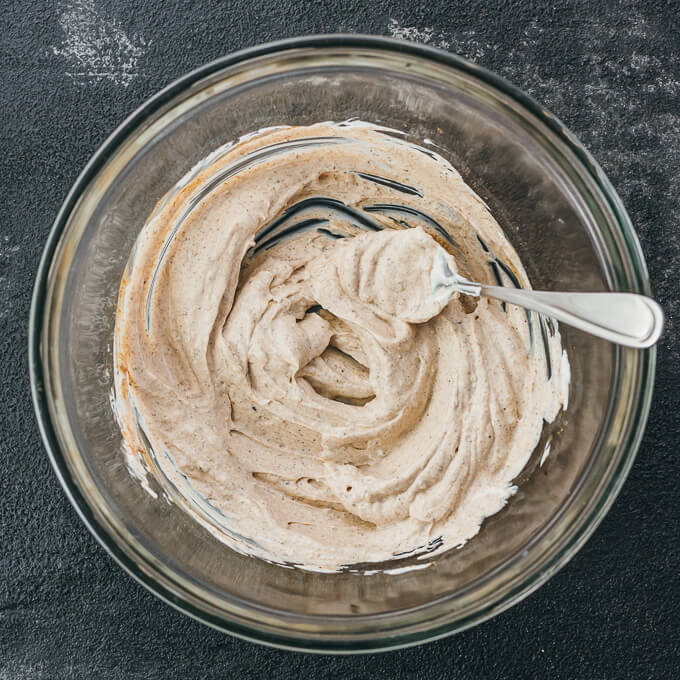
x: 73, y: 69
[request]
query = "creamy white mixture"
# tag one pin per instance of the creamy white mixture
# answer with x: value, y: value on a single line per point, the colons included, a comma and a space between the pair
x: 280, y: 359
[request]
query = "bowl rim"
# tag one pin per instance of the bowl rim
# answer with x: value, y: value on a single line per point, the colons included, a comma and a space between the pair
x: 639, y: 408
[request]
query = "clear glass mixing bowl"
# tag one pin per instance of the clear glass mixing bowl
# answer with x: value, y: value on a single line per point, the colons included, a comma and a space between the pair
x: 557, y: 208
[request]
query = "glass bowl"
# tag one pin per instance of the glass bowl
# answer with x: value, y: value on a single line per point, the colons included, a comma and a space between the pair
x: 555, y: 205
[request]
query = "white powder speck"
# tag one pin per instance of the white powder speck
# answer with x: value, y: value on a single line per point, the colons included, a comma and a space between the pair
x: 424, y: 35
x: 97, y: 48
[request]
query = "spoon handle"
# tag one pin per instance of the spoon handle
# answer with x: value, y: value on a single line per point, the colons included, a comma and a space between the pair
x: 625, y: 318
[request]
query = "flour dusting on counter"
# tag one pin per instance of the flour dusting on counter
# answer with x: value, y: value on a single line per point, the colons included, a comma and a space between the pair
x: 96, y: 48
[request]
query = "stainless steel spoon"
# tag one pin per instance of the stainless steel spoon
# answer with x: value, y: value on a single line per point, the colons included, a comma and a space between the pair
x: 624, y: 318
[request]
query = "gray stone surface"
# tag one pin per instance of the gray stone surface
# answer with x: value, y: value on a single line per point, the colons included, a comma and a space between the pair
x: 71, y: 70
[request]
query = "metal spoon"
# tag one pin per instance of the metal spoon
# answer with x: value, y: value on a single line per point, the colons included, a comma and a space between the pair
x: 624, y: 318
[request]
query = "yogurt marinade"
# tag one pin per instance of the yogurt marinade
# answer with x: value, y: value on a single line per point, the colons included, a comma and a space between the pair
x: 279, y: 352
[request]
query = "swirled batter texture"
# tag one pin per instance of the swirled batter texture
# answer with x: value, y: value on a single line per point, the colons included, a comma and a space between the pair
x: 280, y: 359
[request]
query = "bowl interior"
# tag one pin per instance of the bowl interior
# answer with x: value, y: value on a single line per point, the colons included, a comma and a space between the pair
x: 552, y: 212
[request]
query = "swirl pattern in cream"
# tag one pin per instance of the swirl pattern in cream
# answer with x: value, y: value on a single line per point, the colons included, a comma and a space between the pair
x: 281, y: 365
